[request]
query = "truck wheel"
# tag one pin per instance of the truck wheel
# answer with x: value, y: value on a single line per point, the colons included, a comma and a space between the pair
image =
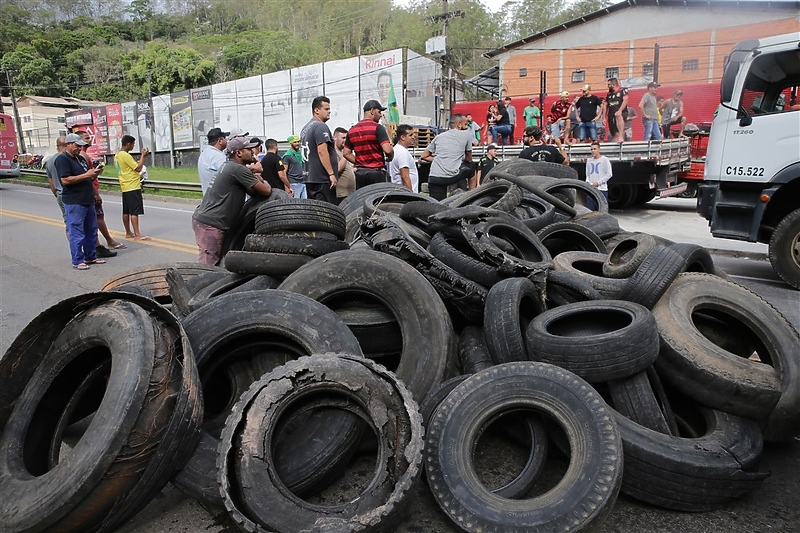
x: 784, y: 249
x: 621, y: 196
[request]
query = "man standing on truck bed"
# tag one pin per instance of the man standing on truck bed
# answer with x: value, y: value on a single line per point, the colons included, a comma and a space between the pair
x: 617, y: 102
x: 649, y: 107
x: 590, y: 107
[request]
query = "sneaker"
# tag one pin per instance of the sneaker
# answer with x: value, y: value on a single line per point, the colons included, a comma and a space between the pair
x: 102, y: 251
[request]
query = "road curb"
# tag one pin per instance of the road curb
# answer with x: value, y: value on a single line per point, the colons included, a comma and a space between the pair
x: 738, y: 254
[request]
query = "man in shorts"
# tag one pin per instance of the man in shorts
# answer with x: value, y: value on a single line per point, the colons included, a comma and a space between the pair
x: 130, y: 182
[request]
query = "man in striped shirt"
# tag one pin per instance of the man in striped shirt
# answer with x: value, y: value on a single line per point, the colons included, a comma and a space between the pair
x: 368, y: 146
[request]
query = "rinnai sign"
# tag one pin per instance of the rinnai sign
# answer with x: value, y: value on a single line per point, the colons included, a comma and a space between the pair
x: 379, y: 62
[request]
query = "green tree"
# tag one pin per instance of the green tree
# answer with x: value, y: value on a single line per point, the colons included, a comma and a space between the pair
x: 162, y: 69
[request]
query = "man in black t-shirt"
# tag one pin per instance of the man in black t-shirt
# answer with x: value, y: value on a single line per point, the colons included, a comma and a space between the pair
x: 617, y: 105
x: 273, y: 170
x: 537, y: 150
x: 320, y: 161
x: 589, y: 109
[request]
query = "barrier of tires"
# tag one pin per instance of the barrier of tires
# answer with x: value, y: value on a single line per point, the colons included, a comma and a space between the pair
x: 557, y: 360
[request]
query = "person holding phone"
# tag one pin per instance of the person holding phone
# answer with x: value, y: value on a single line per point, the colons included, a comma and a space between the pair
x: 130, y: 182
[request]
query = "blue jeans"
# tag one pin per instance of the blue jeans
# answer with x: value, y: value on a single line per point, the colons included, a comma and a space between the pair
x: 502, y: 133
x: 299, y: 190
x: 651, y: 129
x: 82, y: 224
x: 588, y: 129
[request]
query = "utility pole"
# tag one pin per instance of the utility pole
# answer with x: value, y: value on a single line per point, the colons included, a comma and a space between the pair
x: 656, y: 51
x: 444, y: 17
x: 22, y: 148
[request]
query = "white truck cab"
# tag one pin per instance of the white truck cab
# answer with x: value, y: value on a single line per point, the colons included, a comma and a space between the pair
x: 751, y: 184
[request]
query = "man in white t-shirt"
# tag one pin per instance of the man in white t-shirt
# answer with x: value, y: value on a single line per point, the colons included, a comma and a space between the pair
x: 403, y: 167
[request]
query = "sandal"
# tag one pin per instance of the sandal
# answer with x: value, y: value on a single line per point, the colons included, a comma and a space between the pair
x: 81, y: 266
x: 142, y: 238
x: 95, y: 262
x: 117, y: 246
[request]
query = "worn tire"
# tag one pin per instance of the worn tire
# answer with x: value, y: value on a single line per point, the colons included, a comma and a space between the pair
x: 311, y: 246
x: 642, y: 399
x: 597, y: 340
x: 784, y: 249
x: 510, y: 307
x: 141, y: 389
x: 238, y: 337
x: 254, y: 494
x: 154, y: 277
x: 726, y: 378
x: 500, y: 194
x: 653, y: 276
x: 627, y: 255
x: 473, y: 354
x: 603, y: 225
x: 270, y: 264
x: 566, y: 287
x: 355, y: 201
x: 456, y: 253
x: 560, y: 237
x: 589, y: 266
x: 582, y: 498
x: 428, y: 338
x: 529, y: 255
x: 296, y: 214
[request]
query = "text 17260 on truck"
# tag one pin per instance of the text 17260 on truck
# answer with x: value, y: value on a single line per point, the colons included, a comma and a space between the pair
x: 751, y: 184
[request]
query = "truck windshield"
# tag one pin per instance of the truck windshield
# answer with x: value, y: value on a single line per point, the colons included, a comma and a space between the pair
x: 771, y: 83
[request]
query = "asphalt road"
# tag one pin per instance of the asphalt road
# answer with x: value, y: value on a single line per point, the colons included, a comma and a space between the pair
x: 35, y: 273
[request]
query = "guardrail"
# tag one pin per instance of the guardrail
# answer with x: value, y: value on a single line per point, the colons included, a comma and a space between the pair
x: 149, y: 184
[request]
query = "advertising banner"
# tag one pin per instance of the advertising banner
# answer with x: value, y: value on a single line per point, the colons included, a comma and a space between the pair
x: 382, y: 80
x: 129, y: 126
x: 277, y: 92
x: 202, y: 115
x: 79, y: 117
x: 162, y: 122
x: 223, y: 95
x: 250, y: 104
x: 306, y: 85
x: 100, y: 134
x: 341, y: 86
x: 181, y: 111
x: 144, y: 122
x: 114, y: 120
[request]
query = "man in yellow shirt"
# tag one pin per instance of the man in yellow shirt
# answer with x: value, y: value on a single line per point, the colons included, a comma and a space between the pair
x: 131, y: 185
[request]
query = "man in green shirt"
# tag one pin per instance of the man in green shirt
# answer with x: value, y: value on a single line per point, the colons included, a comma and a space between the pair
x: 130, y: 183
x: 531, y: 114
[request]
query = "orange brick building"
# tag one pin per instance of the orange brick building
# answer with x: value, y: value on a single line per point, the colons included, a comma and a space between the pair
x: 693, y: 38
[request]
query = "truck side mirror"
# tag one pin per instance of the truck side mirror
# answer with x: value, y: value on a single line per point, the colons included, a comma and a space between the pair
x: 745, y: 121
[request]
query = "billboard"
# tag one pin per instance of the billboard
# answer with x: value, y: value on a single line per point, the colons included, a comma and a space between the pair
x: 223, y: 96
x: 341, y: 86
x: 114, y: 122
x: 421, y: 76
x: 181, y: 114
x: 144, y: 123
x: 382, y: 78
x: 249, y: 103
x: 202, y: 115
x: 277, y: 95
x: 100, y: 133
x: 162, y: 122
x: 306, y: 85
x: 129, y: 126
x: 79, y: 117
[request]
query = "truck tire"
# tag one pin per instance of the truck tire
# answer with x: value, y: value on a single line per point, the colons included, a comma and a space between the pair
x: 724, y: 377
x: 580, y: 499
x: 246, y: 469
x: 784, y: 249
x: 621, y: 196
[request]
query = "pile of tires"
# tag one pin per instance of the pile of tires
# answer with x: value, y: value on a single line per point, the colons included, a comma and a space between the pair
x: 527, y: 355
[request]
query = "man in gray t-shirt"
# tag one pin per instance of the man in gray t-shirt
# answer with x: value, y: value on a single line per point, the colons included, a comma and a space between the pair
x: 53, y: 180
x: 320, y: 162
x: 450, y: 155
x: 649, y: 108
x: 222, y: 202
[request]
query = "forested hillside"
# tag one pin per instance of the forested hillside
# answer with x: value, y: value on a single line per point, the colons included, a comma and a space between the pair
x: 119, y: 50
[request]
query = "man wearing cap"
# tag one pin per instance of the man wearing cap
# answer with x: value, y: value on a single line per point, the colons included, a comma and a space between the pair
x: 403, y: 168
x: 212, y: 157
x: 368, y: 146
x: 130, y: 183
x: 223, y: 202
x: 238, y: 132
x: 487, y: 162
x: 450, y: 155
x: 531, y: 114
x: 617, y: 103
x: 320, y: 162
x: 559, y: 111
x: 672, y: 115
x: 648, y: 105
x: 537, y: 150
x: 78, y: 197
x: 590, y: 108
x: 293, y: 161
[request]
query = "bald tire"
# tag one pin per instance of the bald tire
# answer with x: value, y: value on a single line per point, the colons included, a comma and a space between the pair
x: 510, y: 307
x: 582, y: 498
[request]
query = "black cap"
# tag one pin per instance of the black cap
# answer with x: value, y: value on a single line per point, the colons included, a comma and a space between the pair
x: 373, y: 104
x: 216, y: 133
x: 653, y: 84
